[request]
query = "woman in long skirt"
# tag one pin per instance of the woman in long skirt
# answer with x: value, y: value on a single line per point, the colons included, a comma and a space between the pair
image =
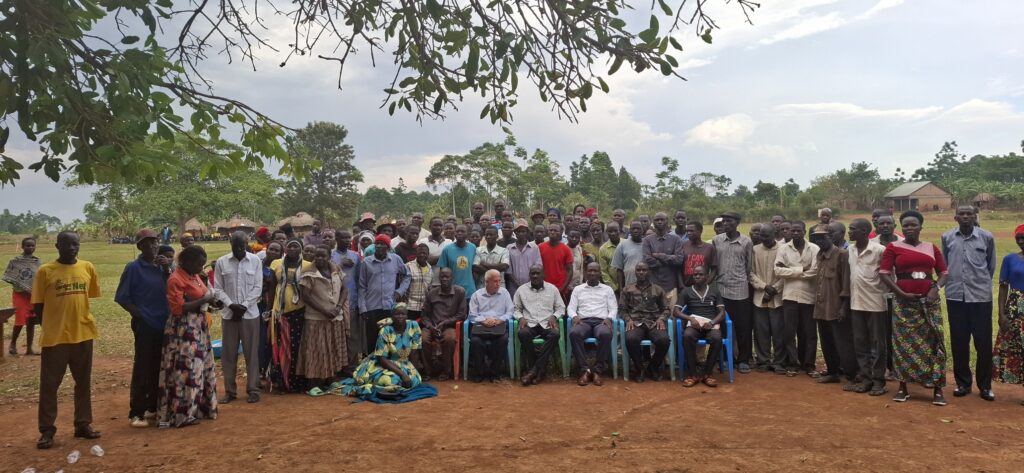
x: 324, y: 348
x: 188, y: 382
x: 288, y: 319
x: 908, y: 268
x: 1008, y: 362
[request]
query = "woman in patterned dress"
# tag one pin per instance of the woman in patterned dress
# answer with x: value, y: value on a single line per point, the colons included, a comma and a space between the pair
x: 324, y: 348
x: 387, y: 371
x: 1008, y: 362
x: 919, y: 352
x: 288, y: 318
x: 188, y: 382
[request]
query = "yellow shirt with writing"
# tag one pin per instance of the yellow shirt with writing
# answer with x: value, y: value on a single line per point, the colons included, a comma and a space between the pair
x: 65, y: 290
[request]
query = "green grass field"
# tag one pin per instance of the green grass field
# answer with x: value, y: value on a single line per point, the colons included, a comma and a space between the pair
x: 115, y: 338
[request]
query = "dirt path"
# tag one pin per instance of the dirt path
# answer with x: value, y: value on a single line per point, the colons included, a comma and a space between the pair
x: 762, y: 423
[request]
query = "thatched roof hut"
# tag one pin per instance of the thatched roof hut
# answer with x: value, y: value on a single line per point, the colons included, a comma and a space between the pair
x: 194, y: 227
x: 984, y: 200
x: 301, y: 222
x: 243, y: 224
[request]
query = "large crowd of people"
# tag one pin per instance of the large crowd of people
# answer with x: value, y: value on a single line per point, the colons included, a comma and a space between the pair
x: 375, y: 311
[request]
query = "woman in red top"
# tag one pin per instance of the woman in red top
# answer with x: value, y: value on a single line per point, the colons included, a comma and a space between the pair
x: 907, y: 267
x: 188, y: 382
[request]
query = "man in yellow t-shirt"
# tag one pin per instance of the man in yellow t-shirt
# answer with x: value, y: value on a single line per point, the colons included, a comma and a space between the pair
x: 60, y: 298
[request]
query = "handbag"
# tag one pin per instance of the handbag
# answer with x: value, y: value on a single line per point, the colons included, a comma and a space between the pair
x: 481, y: 329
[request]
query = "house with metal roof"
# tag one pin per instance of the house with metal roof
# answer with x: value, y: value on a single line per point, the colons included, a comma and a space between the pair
x: 921, y: 195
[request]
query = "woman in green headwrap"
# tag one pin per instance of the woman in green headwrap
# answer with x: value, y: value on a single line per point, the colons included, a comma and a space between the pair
x: 388, y: 370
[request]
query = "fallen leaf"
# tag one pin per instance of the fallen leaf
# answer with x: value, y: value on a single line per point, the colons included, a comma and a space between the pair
x: 522, y: 438
x: 947, y: 421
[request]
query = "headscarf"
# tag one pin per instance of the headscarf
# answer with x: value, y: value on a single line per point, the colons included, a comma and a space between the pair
x: 262, y: 232
x: 590, y: 213
x: 555, y: 211
x: 382, y: 238
x: 358, y: 238
x: 1018, y: 230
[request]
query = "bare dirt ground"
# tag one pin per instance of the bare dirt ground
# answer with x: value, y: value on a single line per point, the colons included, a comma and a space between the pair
x: 763, y: 422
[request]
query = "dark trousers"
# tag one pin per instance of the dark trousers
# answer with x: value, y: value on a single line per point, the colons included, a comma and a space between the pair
x: 488, y: 354
x: 56, y: 360
x: 539, y: 363
x: 799, y: 335
x: 370, y: 328
x: 690, y: 337
x: 149, y: 343
x: 870, y: 345
x: 587, y: 328
x: 837, y: 347
x: 436, y: 364
x: 742, y: 314
x: 769, y: 325
x: 659, y: 339
x: 967, y: 320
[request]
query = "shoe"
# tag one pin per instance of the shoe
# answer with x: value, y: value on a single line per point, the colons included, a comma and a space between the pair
x: 813, y: 373
x: 689, y: 382
x: 253, y: 398
x: 45, y: 441
x: 227, y: 399
x: 527, y: 378
x: 149, y: 415
x: 938, y: 399
x: 877, y: 391
x: 988, y: 395
x: 639, y: 376
x: 851, y: 387
x: 863, y: 387
x: 901, y: 396
x: 138, y: 422
x: 12, y: 350
x: 709, y: 382
x: 596, y: 379
x: 743, y: 368
x: 791, y: 373
x: 655, y: 375
x: 828, y: 379
x: 961, y: 391
x: 87, y: 433
x: 584, y: 379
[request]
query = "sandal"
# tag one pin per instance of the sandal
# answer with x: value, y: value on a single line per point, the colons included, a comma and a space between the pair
x: 316, y: 392
x: 710, y: 382
x: 689, y: 382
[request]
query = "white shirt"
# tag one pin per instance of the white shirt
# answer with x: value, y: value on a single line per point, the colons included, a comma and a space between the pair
x: 239, y: 282
x: 537, y: 306
x: 800, y: 285
x: 593, y: 302
x: 867, y: 292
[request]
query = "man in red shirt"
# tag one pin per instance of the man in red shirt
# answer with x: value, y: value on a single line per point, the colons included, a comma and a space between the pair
x: 557, y: 260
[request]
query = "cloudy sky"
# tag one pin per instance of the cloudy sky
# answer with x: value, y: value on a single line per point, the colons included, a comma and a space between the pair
x: 810, y: 87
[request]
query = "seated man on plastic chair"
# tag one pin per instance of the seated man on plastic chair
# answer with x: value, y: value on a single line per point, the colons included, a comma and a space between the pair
x: 593, y: 308
x: 490, y: 308
x: 443, y: 307
x: 645, y: 308
x: 705, y: 313
x: 538, y: 305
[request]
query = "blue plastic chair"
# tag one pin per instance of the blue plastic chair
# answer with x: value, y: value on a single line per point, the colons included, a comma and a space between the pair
x: 467, y: 327
x: 725, y: 362
x: 669, y: 327
x: 614, y: 349
x: 538, y: 342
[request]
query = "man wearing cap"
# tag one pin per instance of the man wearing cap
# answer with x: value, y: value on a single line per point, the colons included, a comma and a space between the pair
x: 522, y: 255
x: 366, y: 221
x: 832, y: 309
x: 537, y: 217
x: 383, y: 280
x: 239, y: 277
x: 735, y: 254
x: 142, y: 293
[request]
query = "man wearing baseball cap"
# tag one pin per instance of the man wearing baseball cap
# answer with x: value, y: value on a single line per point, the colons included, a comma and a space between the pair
x: 522, y: 256
x: 366, y: 221
x: 142, y: 292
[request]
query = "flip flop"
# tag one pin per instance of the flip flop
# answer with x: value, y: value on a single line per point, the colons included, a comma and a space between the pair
x: 316, y: 392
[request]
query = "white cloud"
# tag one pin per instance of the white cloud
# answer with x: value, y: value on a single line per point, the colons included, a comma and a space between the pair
x: 983, y: 111
x: 729, y: 132
x: 855, y: 111
x: 880, y: 6
x: 694, y: 63
x: 771, y: 151
x: 811, y: 25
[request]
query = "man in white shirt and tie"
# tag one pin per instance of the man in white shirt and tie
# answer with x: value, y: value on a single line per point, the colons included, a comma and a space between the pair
x: 593, y: 309
x: 239, y: 278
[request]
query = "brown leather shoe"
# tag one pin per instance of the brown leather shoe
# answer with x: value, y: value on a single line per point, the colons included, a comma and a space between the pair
x: 584, y: 379
x: 596, y: 379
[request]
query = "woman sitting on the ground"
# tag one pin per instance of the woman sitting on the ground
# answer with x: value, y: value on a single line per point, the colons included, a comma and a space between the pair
x: 387, y: 371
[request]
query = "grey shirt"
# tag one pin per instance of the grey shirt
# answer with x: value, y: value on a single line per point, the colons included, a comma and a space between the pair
x: 664, y: 270
x: 971, y: 261
x: 734, y: 263
x: 626, y: 256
